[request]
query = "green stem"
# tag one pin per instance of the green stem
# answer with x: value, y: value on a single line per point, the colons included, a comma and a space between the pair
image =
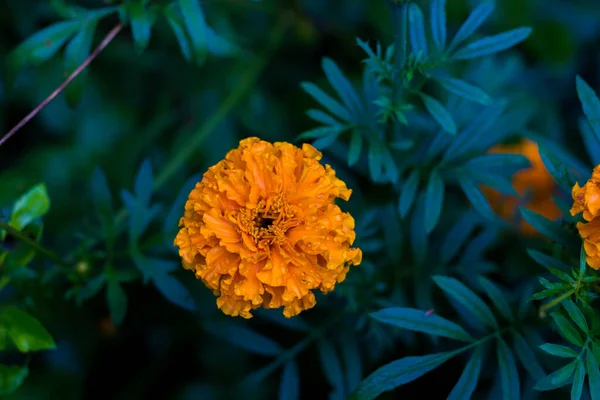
x: 33, y: 244
x: 555, y: 302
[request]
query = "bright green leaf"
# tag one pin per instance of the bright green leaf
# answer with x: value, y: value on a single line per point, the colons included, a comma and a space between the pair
x: 194, y: 21
x: 558, y: 350
x: 33, y: 204
x: 11, y: 378
x: 26, y: 332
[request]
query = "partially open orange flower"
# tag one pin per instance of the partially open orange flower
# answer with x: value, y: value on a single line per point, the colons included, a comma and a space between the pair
x: 262, y: 229
x: 534, y: 186
x: 590, y: 233
x: 586, y: 199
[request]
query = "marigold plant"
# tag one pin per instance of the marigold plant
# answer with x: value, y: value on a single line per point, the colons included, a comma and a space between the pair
x: 262, y: 229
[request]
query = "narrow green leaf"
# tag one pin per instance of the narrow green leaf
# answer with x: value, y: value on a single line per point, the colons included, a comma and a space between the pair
x: 578, y: 380
x: 509, y: 376
x: 477, y: 199
x: 323, y: 131
x: 547, y: 261
x: 576, y: 315
x: 117, y: 301
x: 11, y: 378
x: 142, y: 20
x: 419, y: 321
x: 356, y: 144
x: 178, y: 27
x: 33, y: 204
x: 174, y: 291
x: 472, y: 23
x: 593, y: 375
x: 244, y: 338
x: 557, y: 378
x: 418, y: 41
x: 400, y: 372
x: 590, y: 140
x: 492, y: 44
x: 467, y: 298
x: 322, y: 117
x: 26, y: 332
x: 439, y: 113
x: 327, y: 101
x: 409, y: 191
x: 527, y: 357
x: 567, y: 330
x: 193, y: 18
x: 464, y: 388
x: 434, y: 200
x: 465, y: 90
x: 496, y: 295
x: 438, y: 23
x: 102, y: 200
x: 558, y: 350
x: 457, y: 236
x: 582, y: 261
x: 289, y: 387
x: 351, y: 355
x: 77, y: 50
x: 548, y: 228
x: 342, y: 86
x: 590, y: 103
x: 332, y: 368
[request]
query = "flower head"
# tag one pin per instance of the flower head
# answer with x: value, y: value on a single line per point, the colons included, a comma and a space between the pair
x: 590, y: 233
x: 262, y: 229
x: 586, y: 199
x: 533, y: 185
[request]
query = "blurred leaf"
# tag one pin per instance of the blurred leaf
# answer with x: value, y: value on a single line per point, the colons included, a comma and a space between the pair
x: 11, y: 378
x: 327, y: 101
x: 492, y: 44
x: 398, y: 373
x: 33, y: 204
x: 322, y: 117
x: 275, y: 316
x: 464, y: 388
x: 434, y: 200
x: 527, y: 357
x: 593, y: 375
x: 562, y: 174
x: 102, y: 199
x: 77, y: 50
x: 575, y: 314
x: 342, y: 86
x: 142, y: 19
x: 496, y: 295
x: 356, y: 144
x: 174, y: 291
x: 324, y: 131
x: 590, y: 104
x: 439, y: 113
x: 244, y: 338
x: 193, y: 18
x: 557, y: 378
x: 140, y: 211
x: 509, y: 375
x: 177, y: 209
x: 592, y: 145
x: 438, y: 23
x: 472, y: 23
x: 26, y: 332
x: 464, y: 90
x: 558, y: 350
x: 178, y: 27
x: 289, y: 387
x: 420, y: 321
x: 578, y: 380
x: 332, y: 368
x: 547, y: 261
x: 477, y: 199
x: 418, y: 41
x: 459, y: 292
x: 567, y: 330
x: 550, y: 229
x: 117, y: 301
x: 408, y: 192
x: 457, y: 236
x: 350, y: 351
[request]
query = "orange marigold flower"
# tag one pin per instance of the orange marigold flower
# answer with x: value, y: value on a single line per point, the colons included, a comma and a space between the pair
x: 262, y: 229
x: 534, y: 186
x: 586, y: 199
x: 590, y: 233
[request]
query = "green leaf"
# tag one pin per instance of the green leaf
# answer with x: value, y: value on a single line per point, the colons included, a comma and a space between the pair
x: 575, y: 314
x: 77, y: 50
x: 409, y: 191
x: 578, y: 380
x: 558, y: 165
x: 289, y: 387
x: 400, y: 372
x: 356, y: 145
x: 332, y: 368
x: 464, y: 388
x: 590, y: 140
x: 26, y: 332
x: 11, y: 378
x: 593, y: 375
x: 342, y: 86
x: 102, y: 200
x: 527, y: 357
x: 323, y: 131
x: 244, y: 338
x: 174, y: 291
x: 467, y: 298
x: 496, y: 295
x: 434, y: 200
x: 327, y: 101
x: 33, y: 204
x: 419, y: 321
x: 177, y: 208
x: 178, y: 28
x: 438, y: 23
x: 439, y: 113
x: 509, y: 376
x: 142, y: 20
x: 558, y: 350
x: 546, y: 261
x: 492, y: 44
x: 472, y: 23
x: 590, y: 103
x: 43, y: 44
x: 418, y: 41
x: 458, y: 235
x: 193, y: 18
x: 567, y: 330
x: 465, y: 90
x: 350, y: 351
x: 477, y: 199
x: 117, y: 301
x: 557, y: 378
x: 550, y: 229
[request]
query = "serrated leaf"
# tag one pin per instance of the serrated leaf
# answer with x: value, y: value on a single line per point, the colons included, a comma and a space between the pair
x: 575, y: 314
x: 464, y: 388
x: 117, y: 301
x: 25, y: 331
x: 142, y: 20
x: 342, y: 86
x: 178, y: 27
x: 509, y: 376
x: 439, y: 113
x: 472, y: 23
x: 418, y: 41
x: 11, y: 378
x: 289, y: 387
x: 408, y: 193
x: 434, y: 200
x: 567, y: 330
x: 193, y: 19
x: 35, y: 203
x: 419, y: 321
x: 558, y: 350
x: 550, y: 229
x: 438, y: 23
x: 465, y: 90
x: 578, y: 380
x: 590, y: 104
x: 356, y: 144
x: 400, y: 372
x: 527, y: 357
x: 76, y: 51
x: 332, y: 105
x: 245, y: 338
x: 593, y: 371
x: 332, y: 368
x: 496, y: 295
x: 465, y: 296
x: 492, y: 44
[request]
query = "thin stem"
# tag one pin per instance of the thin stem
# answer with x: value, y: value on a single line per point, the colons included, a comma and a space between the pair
x: 33, y: 244
x: 59, y: 89
x: 555, y: 302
